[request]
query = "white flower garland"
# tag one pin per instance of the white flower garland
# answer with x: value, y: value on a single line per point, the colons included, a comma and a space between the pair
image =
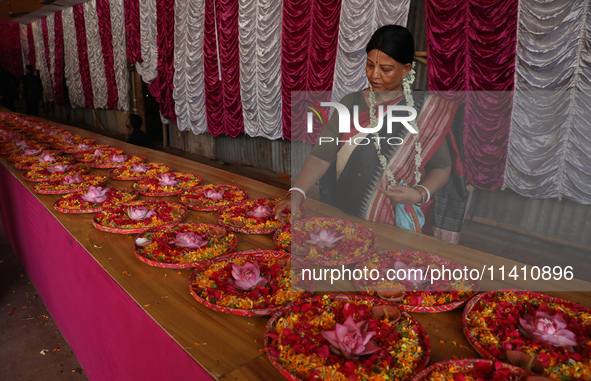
x: 406, y: 82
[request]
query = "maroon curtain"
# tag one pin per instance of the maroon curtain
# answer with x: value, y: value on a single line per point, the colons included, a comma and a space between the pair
x: 103, y: 11
x: 10, y: 48
x: 132, y: 30
x: 58, y: 85
x: 471, y: 47
x: 309, y: 42
x: 163, y: 86
x: 223, y: 102
x: 83, y: 65
x: 32, y: 59
x: 46, y: 49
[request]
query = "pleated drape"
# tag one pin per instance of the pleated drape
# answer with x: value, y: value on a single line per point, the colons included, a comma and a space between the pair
x: 309, y: 38
x: 119, y: 54
x: 71, y: 66
x: 103, y: 12
x: 58, y: 67
x: 83, y: 60
x: 471, y: 49
x: 148, y: 66
x: 162, y: 86
x: 550, y: 142
x: 188, y: 93
x: 259, y: 25
x: 31, y: 44
x: 359, y: 19
x: 41, y: 61
x: 132, y: 30
x: 221, y: 63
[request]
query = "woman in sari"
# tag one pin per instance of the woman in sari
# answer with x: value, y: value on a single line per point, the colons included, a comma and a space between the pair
x: 369, y: 174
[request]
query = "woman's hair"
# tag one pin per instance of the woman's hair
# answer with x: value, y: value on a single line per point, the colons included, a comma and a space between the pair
x: 395, y: 41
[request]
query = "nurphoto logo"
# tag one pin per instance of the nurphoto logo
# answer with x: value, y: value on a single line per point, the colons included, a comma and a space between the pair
x: 345, y: 125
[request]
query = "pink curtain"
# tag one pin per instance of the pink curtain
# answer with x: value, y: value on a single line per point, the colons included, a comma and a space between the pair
x: 104, y: 22
x: 132, y: 30
x: 58, y: 84
x: 10, y: 48
x: 471, y: 47
x: 223, y: 103
x: 46, y: 48
x: 83, y: 55
x: 163, y: 86
x: 32, y: 59
x: 308, y: 55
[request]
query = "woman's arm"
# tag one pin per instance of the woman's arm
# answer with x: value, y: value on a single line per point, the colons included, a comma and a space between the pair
x: 434, y: 179
x: 313, y: 169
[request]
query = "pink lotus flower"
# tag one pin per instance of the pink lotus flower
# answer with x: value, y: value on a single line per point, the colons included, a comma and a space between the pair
x: 21, y: 143
x: 139, y: 213
x: 116, y: 158
x: 248, y: 276
x: 139, y: 168
x: 190, y: 240
x: 72, y: 179
x: 46, y: 157
x: 32, y: 152
x: 69, y: 140
x: 59, y: 168
x: 96, y: 194
x: 324, y: 238
x: 351, y: 339
x: 143, y: 242
x: 82, y: 146
x: 97, y: 153
x: 167, y: 181
x: 260, y: 211
x: 548, y: 329
x: 213, y: 195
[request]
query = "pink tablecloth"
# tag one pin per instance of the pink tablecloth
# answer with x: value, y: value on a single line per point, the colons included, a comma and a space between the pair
x: 112, y: 337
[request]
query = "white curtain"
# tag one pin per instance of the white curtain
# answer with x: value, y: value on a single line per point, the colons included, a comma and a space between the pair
x: 188, y: 94
x: 41, y: 63
x: 549, y: 152
x: 96, y: 62
x: 119, y: 54
x: 359, y: 19
x: 51, y: 48
x: 71, y: 68
x: 24, y: 44
x: 259, y: 27
x: 148, y: 68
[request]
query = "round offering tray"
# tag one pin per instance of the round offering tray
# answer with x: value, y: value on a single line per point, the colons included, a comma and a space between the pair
x: 416, y: 292
x: 117, y: 218
x: 108, y: 163
x: 211, y: 197
x: 157, y: 185
x: 168, y: 246
x: 55, y: 172
x: 92, y: 155
x: 214, y: 285
x: 517, y: 326
x: 74, y: 203
x: 472, y: 369
x: 75, y: 142
x: 58, y: 187
x: 139, y: 171
x: 79, y: 148
x: 33, y: 162
x: 301, y: 340
x: 33, y: 156
x: 328, y: 241
x: 254, y: 216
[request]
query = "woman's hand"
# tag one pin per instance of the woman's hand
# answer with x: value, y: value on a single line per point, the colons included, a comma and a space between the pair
x: 290, y: 204
x: 402, y: 194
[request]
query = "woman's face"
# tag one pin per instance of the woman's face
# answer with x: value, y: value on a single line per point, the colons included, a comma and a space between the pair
x: 385, y: 73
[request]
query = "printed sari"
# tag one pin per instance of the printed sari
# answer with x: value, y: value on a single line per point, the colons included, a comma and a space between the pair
x: 352, y: 181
